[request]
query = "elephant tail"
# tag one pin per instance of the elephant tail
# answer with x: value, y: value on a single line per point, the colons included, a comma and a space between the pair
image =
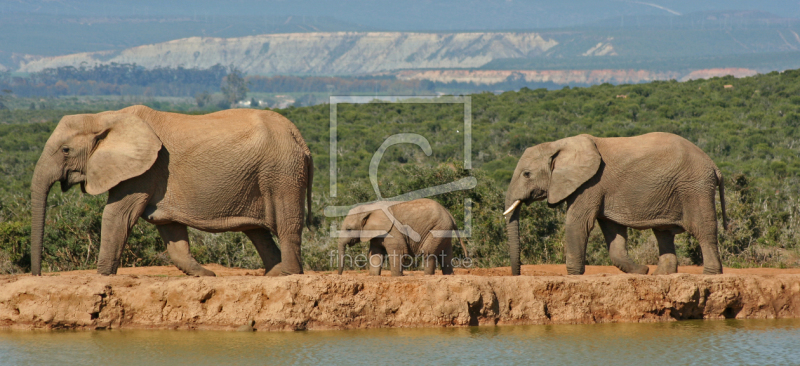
x: 463, y: 247
x: 460, y: 240
x: 721, y: 184
x: 308, y: 161
x: 309, y: 184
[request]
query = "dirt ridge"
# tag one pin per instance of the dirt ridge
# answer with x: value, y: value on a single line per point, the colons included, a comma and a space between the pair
x: 307, y: 302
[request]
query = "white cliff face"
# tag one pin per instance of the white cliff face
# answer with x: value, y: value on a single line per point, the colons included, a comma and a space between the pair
x: 319, y: 53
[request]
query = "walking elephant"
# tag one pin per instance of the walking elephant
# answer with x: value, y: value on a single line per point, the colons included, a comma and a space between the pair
x: 421, y: 227
x: 656, y: 181
x: 235, y: 170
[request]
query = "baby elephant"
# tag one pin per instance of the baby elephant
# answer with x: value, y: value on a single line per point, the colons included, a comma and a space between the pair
x: 401, y: 230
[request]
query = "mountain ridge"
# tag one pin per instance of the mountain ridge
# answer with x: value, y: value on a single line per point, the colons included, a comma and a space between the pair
x: 319, y: 53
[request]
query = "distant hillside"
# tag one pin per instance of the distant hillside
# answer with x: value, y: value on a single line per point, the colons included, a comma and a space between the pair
x: 705, y: 40
x: 26, y: 35
x: 319, y: 53
x: 628, y: 49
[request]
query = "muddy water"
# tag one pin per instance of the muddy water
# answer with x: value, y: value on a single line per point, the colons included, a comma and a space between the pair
x: 733, y: 342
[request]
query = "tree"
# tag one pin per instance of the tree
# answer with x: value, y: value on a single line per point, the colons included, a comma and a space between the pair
x: 234, y: 86
x: 202, y: 99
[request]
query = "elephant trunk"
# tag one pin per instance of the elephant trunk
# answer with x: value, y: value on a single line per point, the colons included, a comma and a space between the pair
x: 43, y: 179
x: 342, y: 246
x: 512, y: 229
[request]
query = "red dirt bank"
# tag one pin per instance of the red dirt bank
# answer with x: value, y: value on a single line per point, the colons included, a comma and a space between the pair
x: 155, y: 297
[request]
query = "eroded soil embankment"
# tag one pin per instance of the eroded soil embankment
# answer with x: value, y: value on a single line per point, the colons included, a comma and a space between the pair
x: 326, y: 301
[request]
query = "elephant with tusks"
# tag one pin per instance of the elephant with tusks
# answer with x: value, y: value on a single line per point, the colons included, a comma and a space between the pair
x: 657, y: 181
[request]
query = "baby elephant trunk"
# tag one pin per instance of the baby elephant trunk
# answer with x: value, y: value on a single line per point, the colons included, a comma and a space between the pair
x: 342, y: 246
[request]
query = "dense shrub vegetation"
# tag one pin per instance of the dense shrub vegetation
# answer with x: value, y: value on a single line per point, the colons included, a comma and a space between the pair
x: 133, y: 80
x: 751, y: 130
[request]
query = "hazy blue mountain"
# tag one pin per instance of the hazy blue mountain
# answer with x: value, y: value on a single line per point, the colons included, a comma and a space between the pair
x: 634, y: 32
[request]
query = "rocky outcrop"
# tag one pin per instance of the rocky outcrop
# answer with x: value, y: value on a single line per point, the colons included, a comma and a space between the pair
x: 556, y: 76
x: 318, y: 53
x: 719, y: 72
x: 357, y: 301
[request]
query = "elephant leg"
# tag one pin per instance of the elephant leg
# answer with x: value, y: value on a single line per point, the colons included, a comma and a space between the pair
x: 429, y: 254
x: 291, y: 257
x: 267, y: 249
x: 376, y: 255
x: 576, y: 231
x: 446, y: 259
x: 667, y: 260
x: 707, y: 236
x: 176, y: 238
x: 616, y: 236
x: 120, y: 214
x: 395, y: 253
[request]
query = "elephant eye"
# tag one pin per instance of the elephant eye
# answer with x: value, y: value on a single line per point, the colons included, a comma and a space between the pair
x: 526, y: 174
x: 65, y: 150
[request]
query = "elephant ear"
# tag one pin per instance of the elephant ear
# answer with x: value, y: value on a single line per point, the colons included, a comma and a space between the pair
x: 375, y: 224
x: 125, y: 147
x: 576, y: 161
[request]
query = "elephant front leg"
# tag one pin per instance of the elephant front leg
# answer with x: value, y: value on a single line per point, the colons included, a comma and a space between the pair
x: 119, y: 216
x: 176, y: 239
x: 396, y: 254
x: 267, y: 249
x: 376, y: 257
x: 576, y: 232
x: 667, y: 260
x: 616, y: 236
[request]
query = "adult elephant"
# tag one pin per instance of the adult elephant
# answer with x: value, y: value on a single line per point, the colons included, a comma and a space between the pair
x: 656, y: 181
x: 235, y: 170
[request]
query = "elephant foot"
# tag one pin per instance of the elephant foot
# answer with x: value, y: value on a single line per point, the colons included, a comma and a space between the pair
x: 274, y: 272
x: 712, y: 270
x: 576, y: 271
x: 198, y: 271
x: 667, y: 264
x: 107, y: 268
x: 640, y: 269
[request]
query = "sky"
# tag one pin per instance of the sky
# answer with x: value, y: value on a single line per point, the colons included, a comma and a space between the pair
x: 415, y: 15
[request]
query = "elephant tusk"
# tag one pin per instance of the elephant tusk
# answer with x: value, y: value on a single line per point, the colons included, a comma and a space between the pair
x: 513, y: 206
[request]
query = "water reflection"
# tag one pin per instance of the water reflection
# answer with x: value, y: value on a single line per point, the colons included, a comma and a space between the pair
x: 690, y: 342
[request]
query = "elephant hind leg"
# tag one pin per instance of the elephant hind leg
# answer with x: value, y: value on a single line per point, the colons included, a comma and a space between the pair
x: 667, y: 260
x: 267, y: 249
x: 616, y: 236
x: 445, y: 259
x: 429, y: 253
x: 709, y: 245
x: 176, y: 237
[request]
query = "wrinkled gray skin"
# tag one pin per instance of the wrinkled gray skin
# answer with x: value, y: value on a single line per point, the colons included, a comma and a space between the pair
x: 656, y: 181
x: 235, y: 170
x: 369, y: 223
